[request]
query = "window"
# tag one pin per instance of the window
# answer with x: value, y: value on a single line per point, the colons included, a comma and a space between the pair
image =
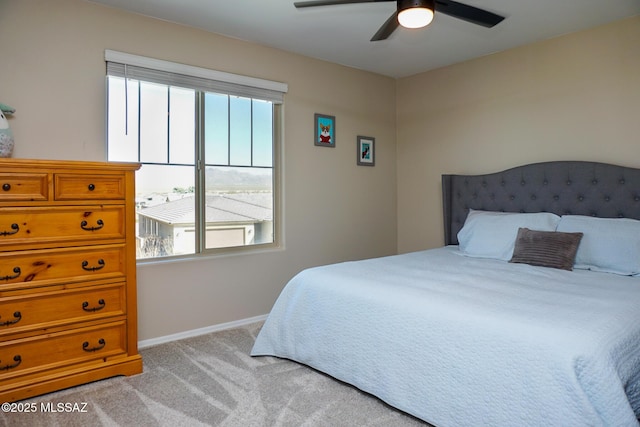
x: 208, y: 144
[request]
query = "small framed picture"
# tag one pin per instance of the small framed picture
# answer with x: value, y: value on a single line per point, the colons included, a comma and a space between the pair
x: 325, y: 130
x: 366, y: 151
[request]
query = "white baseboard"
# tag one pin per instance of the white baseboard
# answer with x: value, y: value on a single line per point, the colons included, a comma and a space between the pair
x: 200, y: 331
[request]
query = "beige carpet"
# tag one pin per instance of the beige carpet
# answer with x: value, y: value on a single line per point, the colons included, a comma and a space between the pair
x: 211, y: 380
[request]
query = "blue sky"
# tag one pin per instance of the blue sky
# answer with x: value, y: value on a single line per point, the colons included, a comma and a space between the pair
x: 247, y: 124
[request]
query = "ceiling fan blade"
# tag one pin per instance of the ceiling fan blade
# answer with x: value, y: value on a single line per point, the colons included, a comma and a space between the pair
x: 387, y: 28
x: 300, y: 4
x: 468, y: 13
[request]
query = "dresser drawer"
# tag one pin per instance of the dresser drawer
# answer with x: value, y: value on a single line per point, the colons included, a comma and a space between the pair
x: 89, y: 187
x: 62, y: 226
x: 23, y: 187
x: 22, y: 269
x: 50, y: 309
x: 33, y: 354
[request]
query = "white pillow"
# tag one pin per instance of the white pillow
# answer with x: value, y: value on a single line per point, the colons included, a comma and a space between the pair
x: 610, y: 245
x: 488, y: 234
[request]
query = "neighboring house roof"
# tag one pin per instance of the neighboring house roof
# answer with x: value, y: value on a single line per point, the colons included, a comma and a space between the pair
x: 233, y: 207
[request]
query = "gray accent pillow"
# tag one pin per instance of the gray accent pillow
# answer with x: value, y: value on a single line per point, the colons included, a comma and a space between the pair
x: 546, y: 248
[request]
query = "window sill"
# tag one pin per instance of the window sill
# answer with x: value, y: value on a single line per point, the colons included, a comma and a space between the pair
x: 214, y: 254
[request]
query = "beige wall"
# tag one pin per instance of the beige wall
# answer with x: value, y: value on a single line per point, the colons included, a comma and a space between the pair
x: 52, y: 71
x: 576, y: 97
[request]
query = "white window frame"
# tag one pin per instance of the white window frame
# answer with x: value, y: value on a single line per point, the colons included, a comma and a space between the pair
x: 165, y: 72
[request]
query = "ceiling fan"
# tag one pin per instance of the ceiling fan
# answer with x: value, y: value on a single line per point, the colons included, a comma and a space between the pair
x: 417, y: 13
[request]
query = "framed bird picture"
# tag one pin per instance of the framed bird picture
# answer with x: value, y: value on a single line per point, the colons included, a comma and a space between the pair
x: 366, y: 151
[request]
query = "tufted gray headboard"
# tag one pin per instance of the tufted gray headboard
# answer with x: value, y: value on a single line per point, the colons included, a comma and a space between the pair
x: 562, y: 187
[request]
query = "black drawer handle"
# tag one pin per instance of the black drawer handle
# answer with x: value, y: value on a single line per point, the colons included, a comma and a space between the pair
x: 91, y: 187
x: 15, y: 229
x: 18, y: 317
x: 16, y: 359
x: 6, y: 187
x: 101, y: 344
x: 84, y: 225
x: 85, y: 306
x: 15, y: 270
x: 86, y: 263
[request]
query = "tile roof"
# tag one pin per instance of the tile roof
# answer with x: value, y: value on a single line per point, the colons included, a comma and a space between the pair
x: 229, y: 207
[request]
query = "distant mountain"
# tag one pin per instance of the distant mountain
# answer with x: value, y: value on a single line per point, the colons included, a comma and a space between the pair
x: 238, y: 179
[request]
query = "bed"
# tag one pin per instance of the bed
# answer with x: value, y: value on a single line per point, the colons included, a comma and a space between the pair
x: 528, y: 315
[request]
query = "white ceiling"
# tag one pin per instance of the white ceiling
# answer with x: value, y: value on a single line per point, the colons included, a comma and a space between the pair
x: 341, y: 33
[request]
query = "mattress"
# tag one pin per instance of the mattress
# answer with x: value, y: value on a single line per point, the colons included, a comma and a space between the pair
x: 460, y: 341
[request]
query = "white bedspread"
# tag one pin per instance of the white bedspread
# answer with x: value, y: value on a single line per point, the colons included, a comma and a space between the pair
x: 460, y: 341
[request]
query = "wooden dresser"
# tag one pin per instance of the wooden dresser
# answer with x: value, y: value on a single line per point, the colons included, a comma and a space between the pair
x: 68, y: 310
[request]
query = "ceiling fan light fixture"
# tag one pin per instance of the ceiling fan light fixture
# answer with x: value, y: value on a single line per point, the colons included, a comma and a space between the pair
x: 415, y: 13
